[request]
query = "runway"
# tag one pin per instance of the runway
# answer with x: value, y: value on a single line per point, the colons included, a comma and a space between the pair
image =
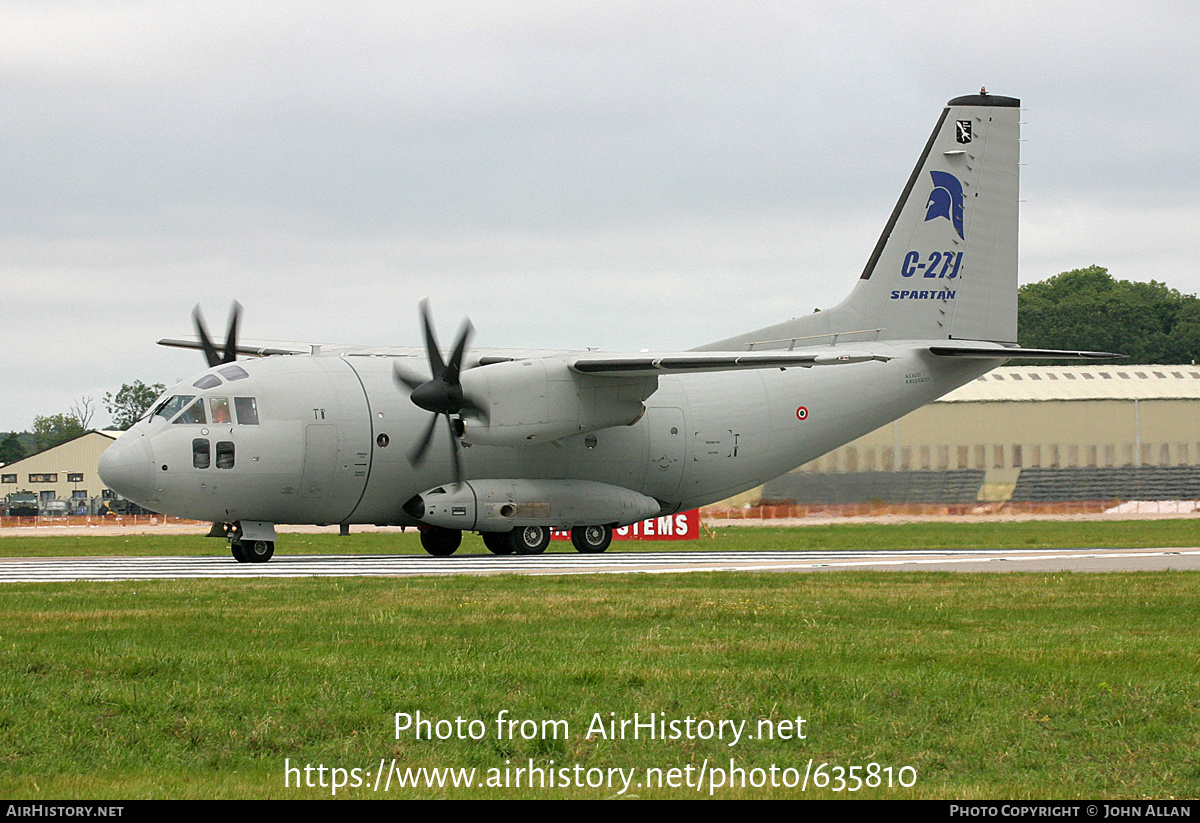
x: 52, y: 569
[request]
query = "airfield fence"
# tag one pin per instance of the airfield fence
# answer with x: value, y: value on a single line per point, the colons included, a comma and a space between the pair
x: 139, y: 520
x: 782, y: 513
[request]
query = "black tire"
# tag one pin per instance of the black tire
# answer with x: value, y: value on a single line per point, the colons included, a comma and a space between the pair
x: 258, y: 551
x: 441, y: 542
x: 498, y: 542
x: 530, y: 539
x: 591, y: 539
x: 239, y: 554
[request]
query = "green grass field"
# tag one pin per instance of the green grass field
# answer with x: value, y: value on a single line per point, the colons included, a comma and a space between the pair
x: 984, y: 685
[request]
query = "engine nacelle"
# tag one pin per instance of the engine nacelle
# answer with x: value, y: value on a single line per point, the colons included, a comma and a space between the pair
x: 503, y: 505
x: 538, y: 400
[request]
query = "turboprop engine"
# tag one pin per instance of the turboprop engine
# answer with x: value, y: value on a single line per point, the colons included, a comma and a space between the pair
x: 503, y: 505
x: 535, y: 401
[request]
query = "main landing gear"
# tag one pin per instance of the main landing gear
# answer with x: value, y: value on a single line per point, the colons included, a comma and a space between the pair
x: 535, y: 539
x: 443, y: 542
x: 591, y: 539
x: 529, y: 539
x: 440, y: 542
x: 498, y: 542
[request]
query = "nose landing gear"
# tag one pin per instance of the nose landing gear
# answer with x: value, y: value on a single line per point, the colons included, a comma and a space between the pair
x: 252, y: 551
x: 249, y: 541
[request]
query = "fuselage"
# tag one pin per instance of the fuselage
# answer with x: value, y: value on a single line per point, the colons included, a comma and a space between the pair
x: 326, y: 439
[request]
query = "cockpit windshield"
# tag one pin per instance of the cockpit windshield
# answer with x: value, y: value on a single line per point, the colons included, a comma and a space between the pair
x: 191, y: 408
x: 170, y: 407
x: 193, y: 414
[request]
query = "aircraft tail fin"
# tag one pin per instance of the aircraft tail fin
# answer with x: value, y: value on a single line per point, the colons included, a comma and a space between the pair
x: 945, y: 266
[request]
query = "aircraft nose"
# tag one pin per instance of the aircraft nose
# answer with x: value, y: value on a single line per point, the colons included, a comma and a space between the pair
x: 127, y: 467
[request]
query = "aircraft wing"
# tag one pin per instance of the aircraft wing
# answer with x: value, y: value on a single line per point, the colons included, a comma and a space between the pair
x: 243, y: 349
x: 270, y: 348
x: 645, y: 365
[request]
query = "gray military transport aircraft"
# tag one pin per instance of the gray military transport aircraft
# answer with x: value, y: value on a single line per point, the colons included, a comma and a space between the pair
x: 589, y: 441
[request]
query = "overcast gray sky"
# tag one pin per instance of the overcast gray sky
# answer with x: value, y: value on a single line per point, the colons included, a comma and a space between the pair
x: 624, y: 175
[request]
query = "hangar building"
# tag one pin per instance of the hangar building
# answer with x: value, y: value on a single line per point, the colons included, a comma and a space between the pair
x: 1025, y: 433
x: 63, y: 472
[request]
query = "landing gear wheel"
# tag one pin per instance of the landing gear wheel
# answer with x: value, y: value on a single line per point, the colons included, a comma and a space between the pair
x: 530, y: 539
x: 498, y: 542
x: 440, y: 542
x: 591, y: 539
x: 257, y: 551
x: 239, y: 553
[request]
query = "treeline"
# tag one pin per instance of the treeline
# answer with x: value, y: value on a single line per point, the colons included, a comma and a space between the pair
x: 126, y: 407
x: 1087, y: 309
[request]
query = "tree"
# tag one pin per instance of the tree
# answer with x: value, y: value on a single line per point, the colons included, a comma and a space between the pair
x: 129, y: 404
x: 82, y: 410
x: 56, y: 428
x: 11, y: 449
x: 1088, y: 309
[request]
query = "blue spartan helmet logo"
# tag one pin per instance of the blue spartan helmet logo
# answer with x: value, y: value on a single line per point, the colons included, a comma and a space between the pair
x: 946, y: 200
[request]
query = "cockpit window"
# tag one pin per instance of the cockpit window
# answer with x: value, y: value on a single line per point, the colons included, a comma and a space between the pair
x: 169, y: 408
x: 247, y: 410
x: 193, y: 413
x: 219, y: 406
x: 233, y: 373
x: 153, y: 408
x: 208, y: 381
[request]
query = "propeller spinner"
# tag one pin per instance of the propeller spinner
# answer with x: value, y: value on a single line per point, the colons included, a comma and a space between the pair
x: 441, y: 394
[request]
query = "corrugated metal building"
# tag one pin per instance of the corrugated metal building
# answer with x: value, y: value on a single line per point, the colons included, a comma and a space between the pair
x: 1036, y: 433
x: 64, y: 472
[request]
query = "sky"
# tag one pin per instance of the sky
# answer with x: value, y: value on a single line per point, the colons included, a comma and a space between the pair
x: 622, y: 175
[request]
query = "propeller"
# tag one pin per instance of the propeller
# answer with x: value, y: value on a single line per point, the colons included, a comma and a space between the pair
x: 229, y: 354
x: 442, y: 393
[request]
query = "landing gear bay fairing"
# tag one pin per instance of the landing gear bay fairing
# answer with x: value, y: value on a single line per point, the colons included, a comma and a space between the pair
x: 511, y: 444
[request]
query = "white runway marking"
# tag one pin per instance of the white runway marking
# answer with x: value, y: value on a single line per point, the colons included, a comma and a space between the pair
x: 39, y: 569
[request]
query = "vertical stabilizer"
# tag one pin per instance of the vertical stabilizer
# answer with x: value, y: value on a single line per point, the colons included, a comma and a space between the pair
x: 945, y: 266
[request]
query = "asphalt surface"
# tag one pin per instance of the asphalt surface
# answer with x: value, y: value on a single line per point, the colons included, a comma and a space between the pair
x: 44, y: 569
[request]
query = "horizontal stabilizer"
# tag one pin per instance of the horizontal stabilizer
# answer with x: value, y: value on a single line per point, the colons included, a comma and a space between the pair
x: 1024, y: 354
x: 247, y: 351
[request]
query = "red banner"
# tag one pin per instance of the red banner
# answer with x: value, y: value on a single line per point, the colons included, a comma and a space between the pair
x: 682, y: 526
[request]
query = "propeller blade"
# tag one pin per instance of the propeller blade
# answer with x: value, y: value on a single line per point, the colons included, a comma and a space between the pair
x: 442, y: 392
x: 210, y: 351
x: 454, y: 450
x: 406, y: 378
x: 214, y: 356
x: 235, y: 315
x: 417, y: 456
x: 436, y: 364
x: 460, y: 348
